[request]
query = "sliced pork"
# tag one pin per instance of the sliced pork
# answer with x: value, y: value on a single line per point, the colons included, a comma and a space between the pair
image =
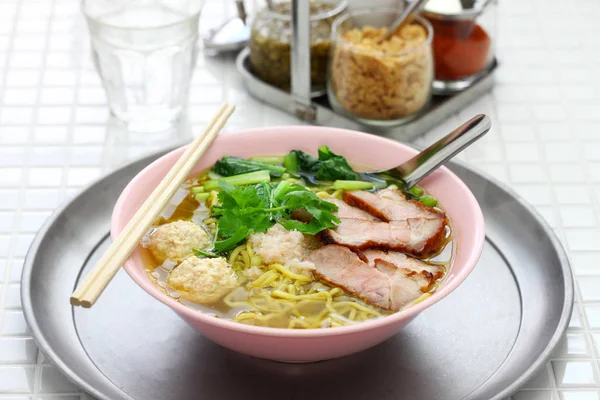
x: 407, y: 225
x: 347, y: 211
x: 389, y: 283
x: 340, y: 266
x: 391, y: 205
x: 416, y: 236
x: 396, y: 260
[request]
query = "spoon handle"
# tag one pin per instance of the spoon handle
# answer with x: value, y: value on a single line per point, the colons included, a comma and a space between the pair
x: 241, y: 10
x: 405, y: 17
x: 421, y: 165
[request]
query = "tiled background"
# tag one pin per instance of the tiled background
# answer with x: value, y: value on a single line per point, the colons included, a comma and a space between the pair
x: 56, y: 135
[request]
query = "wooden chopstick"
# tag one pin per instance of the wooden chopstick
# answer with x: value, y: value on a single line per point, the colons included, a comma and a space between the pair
x: 105, y: 269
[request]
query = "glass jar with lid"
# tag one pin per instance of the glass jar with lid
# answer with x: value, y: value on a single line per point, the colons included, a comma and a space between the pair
x: 271, y: 36
x: 463, y: 42
x: 381, y: 83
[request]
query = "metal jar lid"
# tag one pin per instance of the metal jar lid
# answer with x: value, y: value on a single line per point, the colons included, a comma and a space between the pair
x: 470, y: 10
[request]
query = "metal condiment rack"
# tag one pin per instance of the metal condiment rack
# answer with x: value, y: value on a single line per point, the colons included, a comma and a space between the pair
x: 318, y: 110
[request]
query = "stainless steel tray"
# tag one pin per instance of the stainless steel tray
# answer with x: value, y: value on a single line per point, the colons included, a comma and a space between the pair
x: 320, y: 111
x: 482, y: 342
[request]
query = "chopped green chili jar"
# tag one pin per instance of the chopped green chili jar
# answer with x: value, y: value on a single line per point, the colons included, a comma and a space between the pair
x: 270, y: 42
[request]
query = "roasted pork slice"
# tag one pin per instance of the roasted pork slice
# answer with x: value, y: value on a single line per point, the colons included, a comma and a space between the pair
x: 342, y: 267
x: 347, y: 211
x: 383, y: 259
x: 391, y: 205
x: 416, y: 236
x: 385, y: 286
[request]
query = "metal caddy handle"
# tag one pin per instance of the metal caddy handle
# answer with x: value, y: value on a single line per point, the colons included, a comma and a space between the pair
x: 300, y: 61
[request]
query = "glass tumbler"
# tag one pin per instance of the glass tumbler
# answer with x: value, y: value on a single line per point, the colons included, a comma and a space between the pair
x: 145, y: 52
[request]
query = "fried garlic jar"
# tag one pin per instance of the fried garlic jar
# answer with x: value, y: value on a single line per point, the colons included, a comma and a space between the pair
x: 387, y: 81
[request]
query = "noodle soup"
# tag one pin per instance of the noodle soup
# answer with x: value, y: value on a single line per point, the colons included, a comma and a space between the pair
x: 298, y: 242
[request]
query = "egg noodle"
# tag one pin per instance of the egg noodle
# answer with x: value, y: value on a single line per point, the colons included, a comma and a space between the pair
x: 280, y: 297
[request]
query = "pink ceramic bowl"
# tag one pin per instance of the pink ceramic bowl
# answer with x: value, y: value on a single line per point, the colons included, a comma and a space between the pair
x: 292, y: 345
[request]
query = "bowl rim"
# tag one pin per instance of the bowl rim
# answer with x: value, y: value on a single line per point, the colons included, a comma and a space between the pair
x: 407, y: 314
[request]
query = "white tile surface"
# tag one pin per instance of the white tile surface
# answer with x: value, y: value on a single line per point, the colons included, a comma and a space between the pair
x: 579, y: 395
x: 575, y: 373
x: 53, y: 381
x: 12, y: 301
x: 16, y: 379
x: 17, y: 351
x: 13, y: 324
x: 545, y: 144
x: 573, y: 345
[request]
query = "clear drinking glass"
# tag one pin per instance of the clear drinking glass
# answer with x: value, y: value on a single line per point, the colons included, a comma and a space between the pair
x: 144, y: 51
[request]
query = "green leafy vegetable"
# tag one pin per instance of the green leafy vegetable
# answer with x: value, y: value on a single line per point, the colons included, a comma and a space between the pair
x: 241, y: 213
x: 247, y: 209
x: 239, y: 180
x: 306, y: 162
x: 352, y: 185
x: 416, y: 191
x: 294, y: 197
x: 290, y: 162
x: 275, y: 160
x: 328, y: 167
x: 429, y: 201
x: 202, y: 196
x: 202, y: 253
x: 230, y: 166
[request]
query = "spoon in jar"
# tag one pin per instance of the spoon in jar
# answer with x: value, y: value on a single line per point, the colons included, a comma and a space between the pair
x: 427, y: 161
x: 405, y: 18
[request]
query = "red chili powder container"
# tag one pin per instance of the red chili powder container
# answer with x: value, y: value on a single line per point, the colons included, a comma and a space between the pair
x: 463, y: 41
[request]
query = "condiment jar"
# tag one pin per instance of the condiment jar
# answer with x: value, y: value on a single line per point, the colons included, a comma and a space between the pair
x: 463, y: 42
x: 382, y: 84
x: 270, y: 42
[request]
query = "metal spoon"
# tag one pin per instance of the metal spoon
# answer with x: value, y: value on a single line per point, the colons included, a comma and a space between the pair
x: 232, y: 35
x: 405, y: 18
x: 427, y: 161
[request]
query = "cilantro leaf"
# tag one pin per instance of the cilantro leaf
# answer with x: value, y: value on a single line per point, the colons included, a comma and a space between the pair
x: 203, y: 253
x: 311, y: 228
x: 255, y: 208
x: 241, y: 212
x: 232, y: 241
x: 264, y: 191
